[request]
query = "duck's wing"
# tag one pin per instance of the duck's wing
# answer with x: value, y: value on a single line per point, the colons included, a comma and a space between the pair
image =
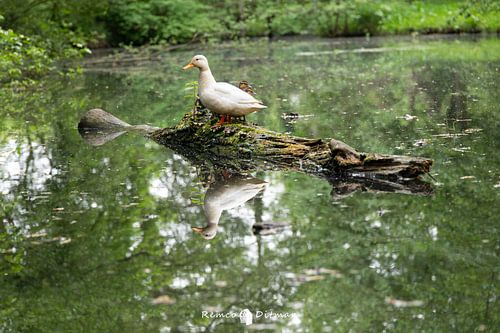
x: 234, y: 94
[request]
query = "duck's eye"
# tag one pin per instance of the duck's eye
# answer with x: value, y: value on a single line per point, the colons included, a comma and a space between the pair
x: 197, y: 59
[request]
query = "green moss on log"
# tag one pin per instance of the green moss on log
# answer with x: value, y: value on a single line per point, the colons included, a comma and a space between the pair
x: 242, y: 146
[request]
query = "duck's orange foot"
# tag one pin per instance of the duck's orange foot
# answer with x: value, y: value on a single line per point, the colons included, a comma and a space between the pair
x: 220, y: 122
x: 223, y: 119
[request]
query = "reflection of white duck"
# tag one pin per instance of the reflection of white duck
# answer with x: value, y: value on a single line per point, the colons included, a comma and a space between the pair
x: 224, y: 195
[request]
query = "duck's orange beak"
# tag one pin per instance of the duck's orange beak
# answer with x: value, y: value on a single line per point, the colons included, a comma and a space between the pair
x: 197, y: 229
x: 188, y: 66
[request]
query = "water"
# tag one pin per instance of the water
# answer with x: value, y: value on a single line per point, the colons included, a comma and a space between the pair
x: 99, y: 239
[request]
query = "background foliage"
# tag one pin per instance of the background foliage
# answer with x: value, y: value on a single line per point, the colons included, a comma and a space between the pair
x: 56, y: 29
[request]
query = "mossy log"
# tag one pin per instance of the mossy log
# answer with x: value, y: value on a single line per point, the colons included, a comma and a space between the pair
x: 241, y: 147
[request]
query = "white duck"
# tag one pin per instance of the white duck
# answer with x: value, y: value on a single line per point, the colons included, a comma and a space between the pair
x: 224, y: 195
x: 221, y: 97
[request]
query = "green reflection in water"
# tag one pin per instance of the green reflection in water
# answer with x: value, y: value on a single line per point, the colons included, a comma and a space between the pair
x: 91, y: 236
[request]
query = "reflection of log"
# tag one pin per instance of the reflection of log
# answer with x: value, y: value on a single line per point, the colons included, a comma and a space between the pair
x: 243, y: 147
x: 99, y: 137
x: 345, y: 187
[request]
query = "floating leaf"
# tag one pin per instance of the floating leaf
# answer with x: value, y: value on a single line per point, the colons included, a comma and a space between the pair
x: 398, y: 303
x: 163, y: 299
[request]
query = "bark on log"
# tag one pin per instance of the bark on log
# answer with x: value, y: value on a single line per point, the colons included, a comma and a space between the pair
x: 244, y: 146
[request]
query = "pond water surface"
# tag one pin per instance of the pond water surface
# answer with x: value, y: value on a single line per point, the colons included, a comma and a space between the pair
x: 99, y: 239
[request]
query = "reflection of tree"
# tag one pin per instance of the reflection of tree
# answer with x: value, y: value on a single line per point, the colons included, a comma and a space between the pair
x: 444, y: 84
